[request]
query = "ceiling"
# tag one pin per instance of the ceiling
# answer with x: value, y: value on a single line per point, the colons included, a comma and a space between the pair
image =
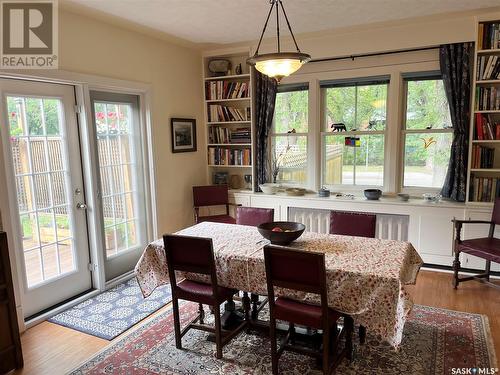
x: 231, y: 21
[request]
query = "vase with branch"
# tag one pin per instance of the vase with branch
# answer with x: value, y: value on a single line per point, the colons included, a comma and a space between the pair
x: 276, y: 162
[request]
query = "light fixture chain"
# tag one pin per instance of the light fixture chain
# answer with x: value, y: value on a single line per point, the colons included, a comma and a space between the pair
x: 265, y: 26
x: 278, y: 24
x: 288, y: 24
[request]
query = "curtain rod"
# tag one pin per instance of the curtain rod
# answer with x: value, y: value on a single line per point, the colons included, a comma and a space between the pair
x: 352, y: 57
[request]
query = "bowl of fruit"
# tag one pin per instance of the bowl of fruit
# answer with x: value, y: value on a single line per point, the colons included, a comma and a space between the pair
x: 281, y: 232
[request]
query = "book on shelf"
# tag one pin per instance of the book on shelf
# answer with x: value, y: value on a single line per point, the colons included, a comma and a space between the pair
x: 218, y: 113
x: 484, y: 189
x: 219, y: 90
x: 241, y: 135
x: 488, y: 68
x: 488, y: 35
x: 487, y: 98
x: 486, y: 127
x: 482, y: 157
x: 226, y: 156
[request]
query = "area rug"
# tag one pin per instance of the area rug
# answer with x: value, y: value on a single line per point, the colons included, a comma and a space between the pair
x: 112, y: 312
x: 435, y: 341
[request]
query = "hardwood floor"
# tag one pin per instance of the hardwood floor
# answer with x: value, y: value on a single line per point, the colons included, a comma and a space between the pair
x: 52, y: 349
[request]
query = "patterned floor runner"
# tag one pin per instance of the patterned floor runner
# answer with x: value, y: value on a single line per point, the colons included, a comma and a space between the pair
x: 112, y: 312
x: 435, y: 341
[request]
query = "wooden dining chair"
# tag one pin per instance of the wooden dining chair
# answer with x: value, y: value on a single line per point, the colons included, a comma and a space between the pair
x: 487, y: 248
x: 358, y: 224
x: 305, y: 272
x: 196, y: 255
x: 209, y: 196
x: 254, y: 216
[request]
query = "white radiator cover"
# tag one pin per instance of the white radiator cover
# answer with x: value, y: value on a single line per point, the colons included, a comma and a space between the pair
x: 389, y: 226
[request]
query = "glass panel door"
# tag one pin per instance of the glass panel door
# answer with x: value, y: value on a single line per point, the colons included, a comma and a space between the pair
x: 119, y: 149
x: 47, y: 182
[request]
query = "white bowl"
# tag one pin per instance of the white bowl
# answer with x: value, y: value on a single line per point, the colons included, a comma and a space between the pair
x: 269, y: 188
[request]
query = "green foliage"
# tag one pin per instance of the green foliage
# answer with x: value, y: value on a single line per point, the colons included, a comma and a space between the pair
x: 291, y: 111
x: 34, y: 121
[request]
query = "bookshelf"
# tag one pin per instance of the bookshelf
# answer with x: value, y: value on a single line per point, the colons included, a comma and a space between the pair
x: 229, y: 113
x: 484, y: 146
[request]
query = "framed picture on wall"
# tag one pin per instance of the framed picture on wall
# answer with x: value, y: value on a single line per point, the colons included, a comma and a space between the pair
x: 183, y: 134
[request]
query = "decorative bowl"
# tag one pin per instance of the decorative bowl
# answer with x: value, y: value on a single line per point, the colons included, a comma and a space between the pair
x: 323, y: 192
x: 403, y: 197
x: 290, y: 231
x: 295, y: 192
x: 269, y: 188
x: 373, y: 194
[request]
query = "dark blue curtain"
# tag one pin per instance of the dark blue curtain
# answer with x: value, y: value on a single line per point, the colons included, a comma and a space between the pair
x: 265, y: 97
x: 456, y: 62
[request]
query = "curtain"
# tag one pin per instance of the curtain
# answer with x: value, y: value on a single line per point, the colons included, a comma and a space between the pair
x: 455, y: 62
x: 265, y: 97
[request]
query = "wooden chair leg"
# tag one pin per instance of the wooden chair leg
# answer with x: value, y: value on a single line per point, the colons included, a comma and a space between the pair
x: 326, y: 351
x: 218, y: 332
x: 202, y: 313
x: 274, y: 346
x: 362, y: 334
x: 177, y: 323
x: 488, y: 270
x: 292, y: 333
x: 456, y: 268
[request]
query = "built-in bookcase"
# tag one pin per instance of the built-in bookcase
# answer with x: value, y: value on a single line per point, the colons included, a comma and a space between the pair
x: 484, y: 150
x: 229, y: 120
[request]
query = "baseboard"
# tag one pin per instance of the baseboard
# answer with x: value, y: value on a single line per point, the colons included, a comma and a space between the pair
x: 119, y: 279
x: 449, y: 269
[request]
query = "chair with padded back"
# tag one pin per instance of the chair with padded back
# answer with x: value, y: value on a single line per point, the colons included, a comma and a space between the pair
x: 487, y: 248
x: 359, y: 224
x: 196, y: 255
x: 303, y: 271
x: 212, y: 195
x: 254, y: 216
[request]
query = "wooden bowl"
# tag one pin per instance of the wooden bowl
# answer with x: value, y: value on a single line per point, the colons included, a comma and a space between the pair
x: 290, y: 231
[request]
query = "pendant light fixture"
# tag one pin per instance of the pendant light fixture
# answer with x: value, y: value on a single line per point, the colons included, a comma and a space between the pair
x: 278, y: 64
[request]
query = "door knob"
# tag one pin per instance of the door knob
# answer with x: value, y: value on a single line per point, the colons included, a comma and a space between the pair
x: 81, y: 206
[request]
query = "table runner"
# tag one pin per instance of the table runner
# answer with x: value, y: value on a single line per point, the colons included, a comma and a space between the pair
x: 366, y: 277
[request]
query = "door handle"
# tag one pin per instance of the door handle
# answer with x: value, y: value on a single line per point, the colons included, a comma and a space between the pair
x: 81, y: 206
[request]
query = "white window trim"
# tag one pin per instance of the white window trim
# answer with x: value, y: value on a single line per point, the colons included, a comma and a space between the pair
x: 414, y: 190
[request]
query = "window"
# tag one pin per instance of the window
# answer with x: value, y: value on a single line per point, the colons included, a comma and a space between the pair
x: 354, y: 126
x: 427, y: 133
x: 289, y: 134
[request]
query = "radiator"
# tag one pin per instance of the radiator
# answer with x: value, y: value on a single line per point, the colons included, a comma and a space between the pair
x: 391, y: 227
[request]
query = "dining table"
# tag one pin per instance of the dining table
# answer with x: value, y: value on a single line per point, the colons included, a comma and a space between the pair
x: 367, y: 278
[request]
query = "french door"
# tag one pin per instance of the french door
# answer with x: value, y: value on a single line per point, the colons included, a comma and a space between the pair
x: 122, y: 179
x: 41, y: 146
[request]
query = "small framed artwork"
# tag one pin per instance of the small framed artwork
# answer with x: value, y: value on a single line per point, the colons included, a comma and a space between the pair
x: 183, y: 134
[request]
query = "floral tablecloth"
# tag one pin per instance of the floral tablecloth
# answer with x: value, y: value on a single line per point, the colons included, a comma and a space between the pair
x: 366, y: 277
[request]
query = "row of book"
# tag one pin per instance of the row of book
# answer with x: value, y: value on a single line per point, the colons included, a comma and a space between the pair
x: 489, y: 36
x: 218, y: 113
x: 487, y: 98
x: 488, y: 67
x: 482, y: 157
x: 487, y: 128
x: 226, y: 90
x: 218, y: 134
x: 484, y: 189
x: 226, y: 156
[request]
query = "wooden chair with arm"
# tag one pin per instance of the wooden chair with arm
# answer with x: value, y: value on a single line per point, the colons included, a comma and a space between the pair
x: 196, y: 255
x: 212, y: 195
x: 358, y: 224
x: 487, y: 248
x: 303, y: 271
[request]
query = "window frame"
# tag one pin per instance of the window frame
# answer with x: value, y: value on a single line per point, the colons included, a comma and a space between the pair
x: 405, y: 78
x: 292, y: 87
x: 352, y: 82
